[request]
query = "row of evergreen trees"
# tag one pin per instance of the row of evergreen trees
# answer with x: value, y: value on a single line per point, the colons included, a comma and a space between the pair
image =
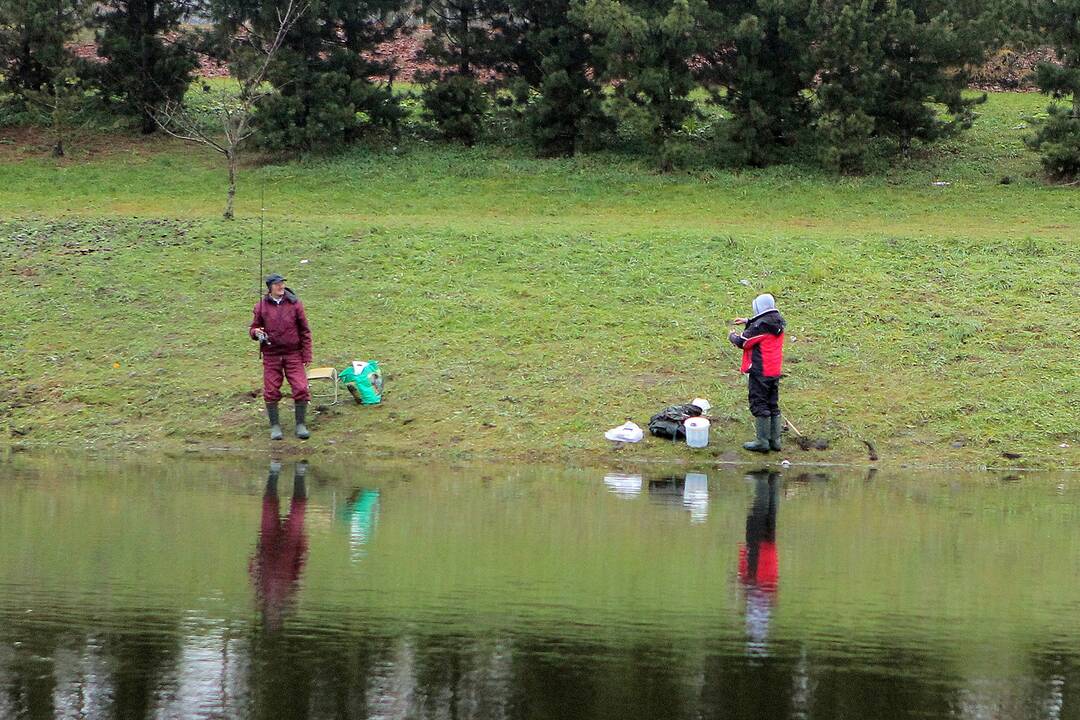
x: 770, y: 79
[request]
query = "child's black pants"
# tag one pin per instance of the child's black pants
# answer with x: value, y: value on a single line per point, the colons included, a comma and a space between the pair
x: 764, y: 395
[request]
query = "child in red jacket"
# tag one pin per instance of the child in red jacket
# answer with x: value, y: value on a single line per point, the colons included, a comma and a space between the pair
x: 762, y: 343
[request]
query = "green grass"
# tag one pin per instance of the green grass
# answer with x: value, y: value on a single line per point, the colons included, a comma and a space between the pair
x: 523, y: 306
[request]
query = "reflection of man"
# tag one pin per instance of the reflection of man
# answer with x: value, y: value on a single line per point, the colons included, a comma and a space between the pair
x: 282, y: 547
x: 758, y: 563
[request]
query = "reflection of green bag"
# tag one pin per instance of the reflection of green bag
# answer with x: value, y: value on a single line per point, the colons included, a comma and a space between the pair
x: 364, y: 381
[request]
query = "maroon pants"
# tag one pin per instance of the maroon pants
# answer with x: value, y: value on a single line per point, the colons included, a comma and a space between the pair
x: 284, y: 367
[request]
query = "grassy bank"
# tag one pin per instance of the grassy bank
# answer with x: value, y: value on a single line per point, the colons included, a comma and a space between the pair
x: 521, y: 307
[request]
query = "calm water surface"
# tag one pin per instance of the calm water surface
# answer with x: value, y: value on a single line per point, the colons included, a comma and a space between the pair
x: 179, y: 588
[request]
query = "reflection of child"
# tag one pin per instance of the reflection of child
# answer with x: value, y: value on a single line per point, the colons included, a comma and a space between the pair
x: 762, y: 343
x: 759, y: 571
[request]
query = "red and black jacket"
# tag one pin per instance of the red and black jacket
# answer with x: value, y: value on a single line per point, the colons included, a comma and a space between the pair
x: 762, y: 343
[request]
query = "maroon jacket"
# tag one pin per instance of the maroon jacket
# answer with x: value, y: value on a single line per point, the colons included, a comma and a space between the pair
x: 285, y: 323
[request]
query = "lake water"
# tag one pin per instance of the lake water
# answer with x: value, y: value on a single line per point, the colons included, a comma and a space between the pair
x: 186, y: 588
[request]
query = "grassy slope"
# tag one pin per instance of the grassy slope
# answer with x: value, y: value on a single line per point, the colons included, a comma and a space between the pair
x: 522, y: 306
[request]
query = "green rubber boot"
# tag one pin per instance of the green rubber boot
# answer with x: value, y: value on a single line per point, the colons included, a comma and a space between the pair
x: 301, y: 428
x: 776, y: 427
x: 761, y: 444
x: 275, y: 422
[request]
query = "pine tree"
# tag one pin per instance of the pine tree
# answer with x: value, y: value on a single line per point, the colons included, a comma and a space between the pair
x: 460, y: 42
x: 461, y: 46
x: 849, y: 53
x: 146, y: 61
x: 32, y: 37
x: 759, y: 70
x: 60, y: 106
x: 925, y: 65
x: 325, y: 97
x: 1058, y: 137
x: 645, y: 48
x: 546, y: 47
x: 887, y: 69
x: 456, y: 104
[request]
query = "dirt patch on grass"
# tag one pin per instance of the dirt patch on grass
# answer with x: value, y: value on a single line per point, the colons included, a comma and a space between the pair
x: 20, y: 143
x: 239, y: 417
x: 29, y: 142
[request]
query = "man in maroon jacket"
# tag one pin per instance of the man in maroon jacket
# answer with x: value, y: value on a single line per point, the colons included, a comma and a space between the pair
x: 281, y: 327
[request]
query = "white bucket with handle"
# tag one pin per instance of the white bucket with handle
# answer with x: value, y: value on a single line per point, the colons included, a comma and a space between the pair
x: 697, y: 432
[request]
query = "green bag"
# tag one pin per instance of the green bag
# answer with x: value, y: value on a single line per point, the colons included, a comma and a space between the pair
x: 364, y: 381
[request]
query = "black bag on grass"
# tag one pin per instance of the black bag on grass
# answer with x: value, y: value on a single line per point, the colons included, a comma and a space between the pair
x: 668, y: 423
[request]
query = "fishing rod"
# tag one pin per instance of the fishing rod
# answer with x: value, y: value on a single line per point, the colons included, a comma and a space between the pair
x: 262, y: 215
x: 262, y: 242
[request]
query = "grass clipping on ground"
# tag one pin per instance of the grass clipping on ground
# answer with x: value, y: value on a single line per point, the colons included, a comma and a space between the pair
x: 521, y: 307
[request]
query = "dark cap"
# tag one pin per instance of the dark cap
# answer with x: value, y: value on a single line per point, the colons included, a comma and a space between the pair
x: 271, y: 279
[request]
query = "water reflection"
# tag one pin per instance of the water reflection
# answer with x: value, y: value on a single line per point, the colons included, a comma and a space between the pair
x: 281, y: 550
x: 690, y: 492
x: 696, y: 496
x: 625, y: 486
x: 362, y: 515
x: 759, y: 565
x: 128, y: 595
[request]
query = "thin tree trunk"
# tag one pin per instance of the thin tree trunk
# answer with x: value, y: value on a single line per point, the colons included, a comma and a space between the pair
x: 464, y: 18
x: 57, y: 126
x: 231, y: 156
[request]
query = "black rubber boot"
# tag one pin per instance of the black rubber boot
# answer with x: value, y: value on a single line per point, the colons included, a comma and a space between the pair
x: 301, y: 428
x: 761, y: 444
x: 275, y: 422
x: 272, y: 478
x: 299, y: 490
x: 776, y: 427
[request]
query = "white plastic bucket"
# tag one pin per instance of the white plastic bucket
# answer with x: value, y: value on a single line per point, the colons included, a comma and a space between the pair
x: 697, y: 432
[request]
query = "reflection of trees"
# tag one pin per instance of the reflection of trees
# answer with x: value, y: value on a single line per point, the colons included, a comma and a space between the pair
x: 326, y: 673
x: 891, y: 683
x: 53, y: 673
x: 561, y: 678
x: 557, y: 678
x: 59, y: 673
x: 461, y: 677
x: 738, y: 686
x: 29, y: 681
x: 1051, y: 690
x: 141, y: 662
x: 895, y: 682
x: 309, y: 672
x: 1057, y: 684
